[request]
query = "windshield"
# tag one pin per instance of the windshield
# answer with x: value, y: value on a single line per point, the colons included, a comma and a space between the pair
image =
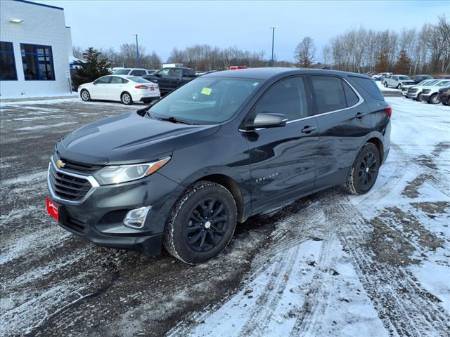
x: 205, y: 100
x: 441, y: 84
x: 432, y: 82
x: 122, y: 72
x: 404, y: 78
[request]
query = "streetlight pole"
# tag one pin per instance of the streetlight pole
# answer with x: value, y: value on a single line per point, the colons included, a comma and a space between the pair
x: 273, y: 45
x: 137, y: 50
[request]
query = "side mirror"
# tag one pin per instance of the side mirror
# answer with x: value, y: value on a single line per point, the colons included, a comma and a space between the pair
x: 267, y: 120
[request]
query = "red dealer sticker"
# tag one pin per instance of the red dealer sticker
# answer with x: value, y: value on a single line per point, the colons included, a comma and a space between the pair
x: 52, y: 208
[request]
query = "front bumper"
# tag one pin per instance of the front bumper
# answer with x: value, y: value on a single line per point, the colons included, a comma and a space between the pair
x: 99, y: 217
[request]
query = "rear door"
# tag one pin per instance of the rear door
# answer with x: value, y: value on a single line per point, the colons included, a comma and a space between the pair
x: 116, y: 87
x: 343, y: 123
x: 283, y: 159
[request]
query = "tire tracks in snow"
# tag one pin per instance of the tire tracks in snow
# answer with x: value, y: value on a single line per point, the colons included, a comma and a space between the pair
x: 405, y: 308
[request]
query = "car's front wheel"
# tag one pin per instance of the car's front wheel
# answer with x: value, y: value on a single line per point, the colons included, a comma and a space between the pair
x: 85, y: 96
x: 126, y: 99
x: 202, y: 223
x: 434, y: 99
x: 364, y: 171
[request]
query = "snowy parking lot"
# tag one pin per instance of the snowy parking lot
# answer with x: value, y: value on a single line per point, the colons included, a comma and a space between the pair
x: 328, y: 265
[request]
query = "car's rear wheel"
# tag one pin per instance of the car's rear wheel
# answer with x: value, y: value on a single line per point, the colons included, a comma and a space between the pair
x: 85, y: 96
x: 364, y: 171
x: 434, y: 99
x: 446, y: 103
x: 202, y: 223
x: 126, y: 99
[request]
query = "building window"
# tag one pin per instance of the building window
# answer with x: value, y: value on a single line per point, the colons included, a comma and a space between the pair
x: 37, y: 62
x: 7, y: 62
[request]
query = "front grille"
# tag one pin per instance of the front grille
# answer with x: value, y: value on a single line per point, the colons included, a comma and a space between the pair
x: 67, y: 186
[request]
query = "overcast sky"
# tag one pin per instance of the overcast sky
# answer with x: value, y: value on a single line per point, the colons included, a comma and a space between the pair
x: 244, y: 24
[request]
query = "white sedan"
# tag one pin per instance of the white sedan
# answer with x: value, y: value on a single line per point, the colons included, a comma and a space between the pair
x: 126, y: 89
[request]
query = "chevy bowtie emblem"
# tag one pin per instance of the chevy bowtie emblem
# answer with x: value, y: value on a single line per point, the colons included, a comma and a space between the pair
x: 60, y: 163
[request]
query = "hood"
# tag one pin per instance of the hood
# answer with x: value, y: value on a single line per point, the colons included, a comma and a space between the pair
x: 129, y: 138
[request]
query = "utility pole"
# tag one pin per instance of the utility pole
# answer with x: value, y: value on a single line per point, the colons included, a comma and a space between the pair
x: 137, y: 50
x: 273, y: 45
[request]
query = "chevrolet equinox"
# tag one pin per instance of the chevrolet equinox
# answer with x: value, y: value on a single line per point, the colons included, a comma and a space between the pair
x: 228, y: 145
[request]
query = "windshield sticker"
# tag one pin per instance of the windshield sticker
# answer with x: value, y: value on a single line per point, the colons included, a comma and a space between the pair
x: 206, y: 91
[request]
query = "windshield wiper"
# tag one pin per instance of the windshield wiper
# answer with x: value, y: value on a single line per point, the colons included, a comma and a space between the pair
x: 172, y: 120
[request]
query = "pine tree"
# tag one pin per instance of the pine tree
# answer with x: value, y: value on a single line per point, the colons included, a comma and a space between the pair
x: 95, y: 65
x: 403, y: 64
x: 382, y: 64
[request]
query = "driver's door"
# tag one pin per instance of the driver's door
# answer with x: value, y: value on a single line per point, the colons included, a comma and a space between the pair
x: 100, y: 88
x: 284, y: 159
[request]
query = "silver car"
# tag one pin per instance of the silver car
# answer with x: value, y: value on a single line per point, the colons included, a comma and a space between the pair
x: 396, y: 81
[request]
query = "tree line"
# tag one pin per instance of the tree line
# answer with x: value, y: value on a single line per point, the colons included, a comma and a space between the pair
x: 411, y: 51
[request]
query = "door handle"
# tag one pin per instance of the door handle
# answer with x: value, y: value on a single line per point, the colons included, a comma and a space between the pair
x: 308, y: 129
x: 359, y: 115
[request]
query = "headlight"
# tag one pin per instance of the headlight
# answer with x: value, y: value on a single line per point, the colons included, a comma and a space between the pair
x: 123, y: 173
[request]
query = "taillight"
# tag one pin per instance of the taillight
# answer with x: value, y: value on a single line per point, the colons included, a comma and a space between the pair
x: 388, y: 111
x: 141, y: 86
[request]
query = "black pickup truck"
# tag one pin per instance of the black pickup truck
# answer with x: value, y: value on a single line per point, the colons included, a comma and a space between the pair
x: 170, y: 79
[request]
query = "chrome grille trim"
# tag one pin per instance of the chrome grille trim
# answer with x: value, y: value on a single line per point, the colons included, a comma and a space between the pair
x: 90, y: 179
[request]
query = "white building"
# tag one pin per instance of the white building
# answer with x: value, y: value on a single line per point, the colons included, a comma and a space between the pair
x: 35, y: 46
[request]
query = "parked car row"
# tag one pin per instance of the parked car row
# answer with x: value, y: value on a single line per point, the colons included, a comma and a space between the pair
x: 129, y: 85
x: 432, y: 91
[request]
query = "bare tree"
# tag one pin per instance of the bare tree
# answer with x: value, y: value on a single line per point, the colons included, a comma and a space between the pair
x: 304, y: 53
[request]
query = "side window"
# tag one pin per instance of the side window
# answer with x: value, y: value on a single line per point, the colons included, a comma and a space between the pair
x: 366, y: 87
x: 164, y: 72
x: 103, y: 80
x: 350, y: 95
x: 329, y: 93
x: 287, y: 97
x: 7, y: 62
x: 138, y: 72
x: 175, y: 72
x: 117, y: 80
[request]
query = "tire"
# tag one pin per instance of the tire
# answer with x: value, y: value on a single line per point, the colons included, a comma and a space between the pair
x: 419, y: 97
x: 398, y: 86
x: 126, y: 99
x: 448, y: 101
x: 364, y: 171
x: 385, y: 84
x: 85, y: 96
x: 434, y: 99
x: 193, y: 234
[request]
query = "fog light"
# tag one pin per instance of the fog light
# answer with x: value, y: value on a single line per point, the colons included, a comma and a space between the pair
x: 136, y: 217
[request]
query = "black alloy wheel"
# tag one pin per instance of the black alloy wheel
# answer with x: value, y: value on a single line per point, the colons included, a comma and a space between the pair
x: 202, y: 223
x: 364, y: 172
x: 207, y: 225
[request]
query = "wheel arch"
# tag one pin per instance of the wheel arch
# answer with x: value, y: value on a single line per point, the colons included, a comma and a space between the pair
x: 379, y: 144
x: 231, y: 185
x: 126, y: 92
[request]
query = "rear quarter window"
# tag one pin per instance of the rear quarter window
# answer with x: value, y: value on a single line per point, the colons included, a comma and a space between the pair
x: 366, y: 87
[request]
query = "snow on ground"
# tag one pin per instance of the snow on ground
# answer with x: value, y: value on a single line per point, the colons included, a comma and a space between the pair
x: 329, y: 265
x: 371, y: 265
